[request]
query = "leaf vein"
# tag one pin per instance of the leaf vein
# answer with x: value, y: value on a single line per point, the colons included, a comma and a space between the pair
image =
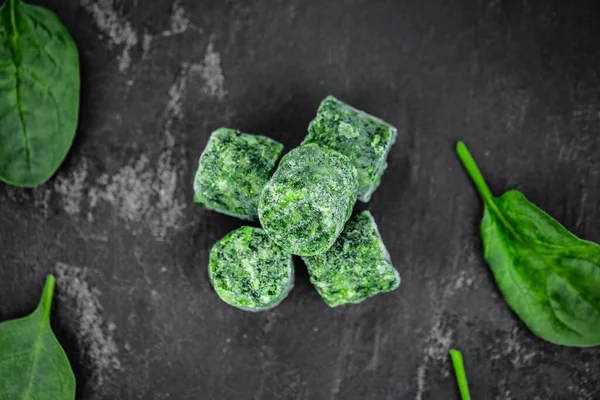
x: 37, y: 346
x: 44, y: 86
x: 44, y: 49
x: 22, y: 119
x: 15, y: 356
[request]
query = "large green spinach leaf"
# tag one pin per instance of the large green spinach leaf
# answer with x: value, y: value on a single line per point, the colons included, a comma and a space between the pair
x: 548, y: 276
x: 39, y: 93
x: 33, y: 366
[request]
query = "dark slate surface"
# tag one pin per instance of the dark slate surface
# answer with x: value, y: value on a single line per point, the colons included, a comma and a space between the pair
x: 518, y: 81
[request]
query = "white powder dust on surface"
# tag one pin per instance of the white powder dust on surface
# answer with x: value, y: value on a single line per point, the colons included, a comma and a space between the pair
x: 584, y: 120
x: 118, y: 29
x: 179, y: 24
x: 128, y: 191
x: 512, y: 348
x: 71, y: 187
x: 583, y: 390
x: 41, y: 198
x: 463, y: 280
x: 180, y: 21
x: 94, y: 334
x: 143, y: 193
x: 420, y: 382
x: 146, y: 45
x: 437, y: 346
x: 214, y: 81
x: 439, y: 338
x: 171, y: 209
x: 504, y: 389
x: 174, y: 110
x: 439, y: 342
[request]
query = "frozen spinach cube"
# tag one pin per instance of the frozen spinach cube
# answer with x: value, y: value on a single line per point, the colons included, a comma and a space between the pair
x: 356, y: 267
x: 249, y: 271
x: 233, y: 169
x: 309, y: 198
x: 363, y: 138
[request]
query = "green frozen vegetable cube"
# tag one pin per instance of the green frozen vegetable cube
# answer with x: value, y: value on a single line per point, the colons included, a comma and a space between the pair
x: 249, y: 271
x: 309, y: 198
x: 363, y: 138
x: 233, y: 169
x: 356, y: 267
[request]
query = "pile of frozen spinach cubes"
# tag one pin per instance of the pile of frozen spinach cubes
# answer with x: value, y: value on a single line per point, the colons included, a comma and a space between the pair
x: 304, y: 202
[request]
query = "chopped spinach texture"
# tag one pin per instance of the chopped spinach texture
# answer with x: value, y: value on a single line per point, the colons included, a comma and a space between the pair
x: 356, y: 267
x: 249, y: 271
x: 232, y: 171
x: 309, y: 198
x: 363, y: 138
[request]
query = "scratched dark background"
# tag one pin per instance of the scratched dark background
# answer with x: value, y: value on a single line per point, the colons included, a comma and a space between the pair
x: 517, y: 81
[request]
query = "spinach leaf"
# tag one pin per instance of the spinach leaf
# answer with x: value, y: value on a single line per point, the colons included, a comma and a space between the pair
x: 548, y: 276
x: 461, y: 376
x: 39, y: 93
x: 32, y: 363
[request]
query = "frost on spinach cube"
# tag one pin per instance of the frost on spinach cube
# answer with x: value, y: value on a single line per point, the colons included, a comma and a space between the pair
x: 309, y: 198
x: 356, y: 267
x: 365, y: 139
x: 249, y: 271
x: 233, y: 169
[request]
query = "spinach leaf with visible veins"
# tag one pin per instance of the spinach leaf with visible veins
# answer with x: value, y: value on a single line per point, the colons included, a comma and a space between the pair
x: 39, y: 93
x: 548, y: 276
x: 32, y: 363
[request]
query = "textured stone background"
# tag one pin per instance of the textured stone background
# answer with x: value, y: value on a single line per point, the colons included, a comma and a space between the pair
x: 518, y: 81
